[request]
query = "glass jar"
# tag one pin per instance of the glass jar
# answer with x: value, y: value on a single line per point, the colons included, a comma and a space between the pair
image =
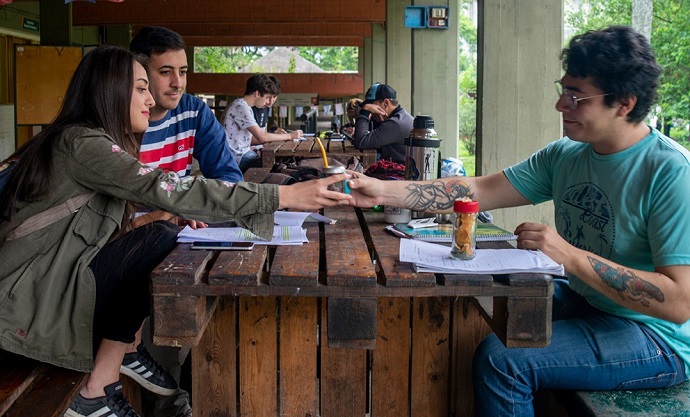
x: 341, y: 186
x: 464, y: 244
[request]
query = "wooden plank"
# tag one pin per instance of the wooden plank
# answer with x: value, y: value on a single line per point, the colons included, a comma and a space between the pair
x: 524, y: 321
x: 468, y: 330
x: 18, y: 373
x: 391, y: 359
x: 180, y: 320
x: 348, y: 261
x: 299, y: 356
x: 238, y: 267
x: 352, y: 323
x: 297, y: 265
x: 257, y: 174
x: 182, y: 266
x: 214, y: 370
x: 392, y: 272
x: 258, y: 354
x: 343, y: 378
x: 50, y: 394
x: 132, y: 391
x: 430, y: 357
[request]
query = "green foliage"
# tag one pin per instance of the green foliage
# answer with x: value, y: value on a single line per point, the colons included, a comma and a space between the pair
x: 670, y: 40
x: 332, y: 58
x: 467, y: 89
x: 209, y: 59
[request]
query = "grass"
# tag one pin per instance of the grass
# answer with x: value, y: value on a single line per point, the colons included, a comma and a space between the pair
x: 468, y: 161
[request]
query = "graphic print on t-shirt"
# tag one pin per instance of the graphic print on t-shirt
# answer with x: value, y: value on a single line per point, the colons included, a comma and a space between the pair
x: 585, y: 217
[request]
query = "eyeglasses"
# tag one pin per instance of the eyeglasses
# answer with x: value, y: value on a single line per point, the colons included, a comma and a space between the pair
x: 570, y: 99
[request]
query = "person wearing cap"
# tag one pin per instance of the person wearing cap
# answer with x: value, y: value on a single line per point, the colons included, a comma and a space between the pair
x: 382, y: 123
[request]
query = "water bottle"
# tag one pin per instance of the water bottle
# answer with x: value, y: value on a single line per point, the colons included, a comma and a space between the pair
x: 422, y: 159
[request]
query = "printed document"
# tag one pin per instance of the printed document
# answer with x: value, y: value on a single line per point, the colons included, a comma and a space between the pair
x: 282, y: 235
x: 431, y: 257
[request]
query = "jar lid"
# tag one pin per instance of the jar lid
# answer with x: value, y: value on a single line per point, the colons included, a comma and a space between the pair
x: 466, y: 206
x: 423, y: 121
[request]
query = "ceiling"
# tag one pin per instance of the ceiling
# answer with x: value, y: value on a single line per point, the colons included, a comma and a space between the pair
x: 237, y: 23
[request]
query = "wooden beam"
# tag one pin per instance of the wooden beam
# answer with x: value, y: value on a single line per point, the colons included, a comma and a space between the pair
x: 260, y: 12
x: 277, y: 34
x: 274, y: 41
x: 234, y: 84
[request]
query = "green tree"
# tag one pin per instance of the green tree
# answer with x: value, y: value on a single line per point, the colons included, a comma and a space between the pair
x: 210, y: 59
x: 467, y: 88
x: 332, y: 59
x: 669, y: 38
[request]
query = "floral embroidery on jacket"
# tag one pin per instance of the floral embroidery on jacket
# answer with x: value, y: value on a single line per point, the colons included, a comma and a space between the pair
x: 116, y: 149
x: 172, y: 182
x: 145, y: 170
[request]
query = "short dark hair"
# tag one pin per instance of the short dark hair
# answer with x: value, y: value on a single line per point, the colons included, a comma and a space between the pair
x: 621, y: 63
x: 261, y: 83
x: 276, y: 82
x: 155, y: 40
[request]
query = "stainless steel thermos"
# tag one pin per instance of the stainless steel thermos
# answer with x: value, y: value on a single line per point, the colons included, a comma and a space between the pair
x: 422, y: 159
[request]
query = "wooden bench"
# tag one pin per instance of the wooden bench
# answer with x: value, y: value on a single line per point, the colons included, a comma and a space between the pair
x: 663, y: 402
x: 30, y: 388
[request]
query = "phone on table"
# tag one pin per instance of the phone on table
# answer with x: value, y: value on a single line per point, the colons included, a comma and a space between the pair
x: 223, y: 245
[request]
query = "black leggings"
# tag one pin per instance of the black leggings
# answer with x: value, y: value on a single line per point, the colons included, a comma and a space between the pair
x: 122, y: 268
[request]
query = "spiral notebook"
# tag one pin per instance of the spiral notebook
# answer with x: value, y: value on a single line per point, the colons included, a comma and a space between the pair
x: 486, y: 232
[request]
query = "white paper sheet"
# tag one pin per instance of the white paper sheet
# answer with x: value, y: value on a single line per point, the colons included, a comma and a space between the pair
x: 431, y: 257
x: 282, y: 235
x: 338, y: 109
x: 297, y: 218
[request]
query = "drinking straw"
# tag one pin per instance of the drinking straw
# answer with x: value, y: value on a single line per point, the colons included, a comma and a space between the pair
x: 323, y: 152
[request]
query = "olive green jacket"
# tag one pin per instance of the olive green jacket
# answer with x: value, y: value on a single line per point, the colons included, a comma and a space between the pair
x: 47, y: 290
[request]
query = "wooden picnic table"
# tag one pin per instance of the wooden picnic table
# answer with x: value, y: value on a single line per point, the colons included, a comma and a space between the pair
x: 337, y: 326
x: 341, y: 150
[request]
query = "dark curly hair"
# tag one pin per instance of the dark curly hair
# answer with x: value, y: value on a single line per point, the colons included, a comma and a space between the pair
x: 621, y: 63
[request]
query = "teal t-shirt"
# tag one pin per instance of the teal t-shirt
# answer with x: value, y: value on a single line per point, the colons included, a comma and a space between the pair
x: 632, y: 207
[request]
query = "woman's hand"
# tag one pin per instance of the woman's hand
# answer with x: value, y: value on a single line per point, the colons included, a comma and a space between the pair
x: 313, y: 195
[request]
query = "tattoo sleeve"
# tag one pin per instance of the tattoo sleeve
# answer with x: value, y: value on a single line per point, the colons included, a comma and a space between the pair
x: 626, y: 283
x: 436, y: 196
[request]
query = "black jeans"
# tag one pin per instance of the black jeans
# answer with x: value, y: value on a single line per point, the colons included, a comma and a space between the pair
x: 122, y: 268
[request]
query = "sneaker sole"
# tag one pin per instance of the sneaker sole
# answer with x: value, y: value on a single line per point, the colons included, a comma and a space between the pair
x: 145, y: 383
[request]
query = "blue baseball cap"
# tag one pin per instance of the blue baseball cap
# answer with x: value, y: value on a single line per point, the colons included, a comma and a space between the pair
x: 378, y: 92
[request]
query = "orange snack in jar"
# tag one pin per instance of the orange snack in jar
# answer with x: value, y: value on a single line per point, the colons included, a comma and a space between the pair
x: 464, y: 228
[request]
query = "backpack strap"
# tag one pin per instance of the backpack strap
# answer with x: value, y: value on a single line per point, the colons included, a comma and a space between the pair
x: 47, y: 217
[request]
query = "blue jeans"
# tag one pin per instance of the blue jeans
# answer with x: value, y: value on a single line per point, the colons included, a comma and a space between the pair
x: 250, y: 159
x: 589, y: 350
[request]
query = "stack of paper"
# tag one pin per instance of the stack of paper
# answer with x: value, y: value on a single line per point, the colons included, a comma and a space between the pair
x: 431, y: 257
x: 282, y: 235
x: 287, y: 231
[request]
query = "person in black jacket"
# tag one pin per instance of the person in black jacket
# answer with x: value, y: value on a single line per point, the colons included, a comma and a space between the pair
x: 382, y: 123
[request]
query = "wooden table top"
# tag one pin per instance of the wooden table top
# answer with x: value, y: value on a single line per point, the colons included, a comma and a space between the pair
x: 353, y: 258
x: 309, y: 148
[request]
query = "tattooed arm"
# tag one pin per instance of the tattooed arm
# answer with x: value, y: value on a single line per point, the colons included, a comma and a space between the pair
x: 492, y: 191
x: 664, y: 293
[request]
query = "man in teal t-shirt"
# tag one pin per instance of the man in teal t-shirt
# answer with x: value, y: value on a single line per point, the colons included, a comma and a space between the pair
x: 622, y: 214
